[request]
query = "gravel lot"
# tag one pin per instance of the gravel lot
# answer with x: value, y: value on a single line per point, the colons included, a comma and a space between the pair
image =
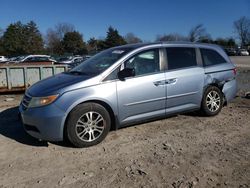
x: 182, y: 151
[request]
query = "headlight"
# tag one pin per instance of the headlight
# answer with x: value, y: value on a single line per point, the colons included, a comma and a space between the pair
x: 42, y: 101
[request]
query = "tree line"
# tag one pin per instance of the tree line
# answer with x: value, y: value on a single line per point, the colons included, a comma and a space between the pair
x: 19, y: 39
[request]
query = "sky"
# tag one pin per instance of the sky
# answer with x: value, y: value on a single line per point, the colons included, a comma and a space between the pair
x: 144, y: 18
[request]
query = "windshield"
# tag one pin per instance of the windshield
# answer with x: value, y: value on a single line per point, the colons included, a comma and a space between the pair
x: 101, y: 61
x: 19, y: 58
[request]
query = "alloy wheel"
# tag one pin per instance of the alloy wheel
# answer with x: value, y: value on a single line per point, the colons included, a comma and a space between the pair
x: 213, y: 101
x: 90, y: 126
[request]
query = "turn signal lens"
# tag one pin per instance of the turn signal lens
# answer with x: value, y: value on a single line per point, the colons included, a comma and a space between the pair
x: 41, y: 101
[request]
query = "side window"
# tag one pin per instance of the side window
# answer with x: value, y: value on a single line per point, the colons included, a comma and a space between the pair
x: 44, y: 59
x: 145, y: 62
x: 37, y: 59
x: 211, y: 57
x: 29, y: 59
x: 180, y: 57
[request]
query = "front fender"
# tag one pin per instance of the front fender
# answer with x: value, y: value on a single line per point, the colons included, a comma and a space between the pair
x: 103, y: 92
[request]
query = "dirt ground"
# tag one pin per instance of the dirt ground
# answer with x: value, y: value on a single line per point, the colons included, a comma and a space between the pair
x: 181, y: 151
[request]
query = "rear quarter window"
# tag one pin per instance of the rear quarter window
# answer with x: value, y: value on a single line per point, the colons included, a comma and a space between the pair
x: 180, y: 57
x: 211, y: 57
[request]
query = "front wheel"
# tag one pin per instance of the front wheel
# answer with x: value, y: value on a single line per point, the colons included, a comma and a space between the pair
x: 212, y: 101
x: 88, y: 124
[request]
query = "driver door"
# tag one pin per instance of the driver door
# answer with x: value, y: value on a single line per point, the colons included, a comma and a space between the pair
x: 142, y: 96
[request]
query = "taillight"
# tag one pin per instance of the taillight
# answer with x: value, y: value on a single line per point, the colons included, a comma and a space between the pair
x: 235, y: 71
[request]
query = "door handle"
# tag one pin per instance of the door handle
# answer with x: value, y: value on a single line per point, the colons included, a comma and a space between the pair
x: 163, y: 82
x: 159, y: 83
x: 171, y: 81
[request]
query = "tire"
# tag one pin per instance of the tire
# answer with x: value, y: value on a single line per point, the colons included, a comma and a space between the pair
x: 212, y: 101
x: 88, y: 124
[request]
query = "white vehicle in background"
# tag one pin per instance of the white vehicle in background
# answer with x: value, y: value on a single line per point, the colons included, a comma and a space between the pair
x: 33, y: 59
x: 3, y: 59
x: 37, y: 58
x: 71, y: 59
x: 243, y: 52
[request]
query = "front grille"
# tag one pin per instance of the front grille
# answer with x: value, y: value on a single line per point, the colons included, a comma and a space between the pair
x: 26, y: 100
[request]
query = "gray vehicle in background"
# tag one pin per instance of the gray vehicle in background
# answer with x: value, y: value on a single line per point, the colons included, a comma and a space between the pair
x: 127, y: 85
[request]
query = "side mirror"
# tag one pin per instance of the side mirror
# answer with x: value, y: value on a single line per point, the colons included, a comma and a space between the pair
x: 127, y: 72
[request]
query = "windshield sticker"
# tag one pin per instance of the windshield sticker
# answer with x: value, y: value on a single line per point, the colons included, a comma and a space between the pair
x: 117, y: 51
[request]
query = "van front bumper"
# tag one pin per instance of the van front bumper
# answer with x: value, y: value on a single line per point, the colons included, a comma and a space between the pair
x: 45, y: 123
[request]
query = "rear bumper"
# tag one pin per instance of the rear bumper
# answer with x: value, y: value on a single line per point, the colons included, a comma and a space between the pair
x: 44, y: 123
x: 230, y: 90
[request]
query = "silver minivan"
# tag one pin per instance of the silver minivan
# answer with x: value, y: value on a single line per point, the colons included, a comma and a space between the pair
x: 127, y: 85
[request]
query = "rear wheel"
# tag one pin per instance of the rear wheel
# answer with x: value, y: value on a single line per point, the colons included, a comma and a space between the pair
x: 212, y: 101
x: 88, y: 124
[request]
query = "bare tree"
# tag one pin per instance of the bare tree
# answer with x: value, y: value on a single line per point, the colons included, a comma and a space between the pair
x: 198, y: 33
x: 1, y: 41
x: 55, y: 35
x: 130, y: 38
x: 242, y: 29
x: 171, y: 37
x: 53, y: 42
x: 62, y: 28
x: 1, y: 32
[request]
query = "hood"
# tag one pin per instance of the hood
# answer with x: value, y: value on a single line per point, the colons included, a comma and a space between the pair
x: 55, y: 84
